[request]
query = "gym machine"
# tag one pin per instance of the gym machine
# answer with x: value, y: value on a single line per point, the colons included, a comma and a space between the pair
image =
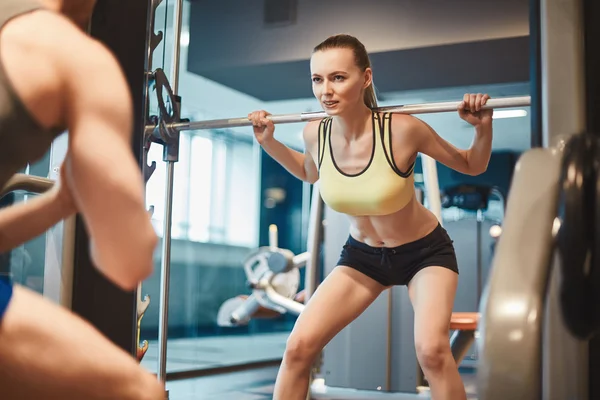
x: 540, y: 322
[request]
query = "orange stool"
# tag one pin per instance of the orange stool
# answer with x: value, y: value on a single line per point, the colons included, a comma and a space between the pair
x: 464, y: 325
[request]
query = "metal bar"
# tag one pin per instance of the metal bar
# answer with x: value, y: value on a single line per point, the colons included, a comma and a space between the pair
x: 460, y: 342
x: 535, y: 72
x: 300, y: 260
x: 313, y: 248
x: 150, y: 17
x: 432, y: 186
x: 165, y: 272
x: 563, y: 82
x: 479, y: 256
x: 166, y: 242
x: 28, y: 183
x: 306, y: 198
x: 291, y: 306
x: 425, y: 108
x: 311, y: 277
x: 389, y: 341
x: 177, y: 50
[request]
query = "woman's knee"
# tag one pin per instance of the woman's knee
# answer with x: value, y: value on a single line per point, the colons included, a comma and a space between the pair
x: 433, y: 352
x: 300, y: 350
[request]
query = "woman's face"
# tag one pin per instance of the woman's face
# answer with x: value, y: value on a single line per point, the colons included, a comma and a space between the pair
x: 337, y: 82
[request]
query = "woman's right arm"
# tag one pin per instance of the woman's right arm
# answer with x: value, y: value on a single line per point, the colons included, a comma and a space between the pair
x: 301, y: 165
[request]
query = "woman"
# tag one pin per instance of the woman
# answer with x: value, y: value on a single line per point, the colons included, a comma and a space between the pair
x: 364, y: 163
x: 53, y: 78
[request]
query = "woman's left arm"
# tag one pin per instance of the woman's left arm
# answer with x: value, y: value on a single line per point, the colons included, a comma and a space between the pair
x: 473, y: 161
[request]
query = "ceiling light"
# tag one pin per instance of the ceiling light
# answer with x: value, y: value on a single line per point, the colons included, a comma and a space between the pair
x: 509, y: 114
x: 185, y: 39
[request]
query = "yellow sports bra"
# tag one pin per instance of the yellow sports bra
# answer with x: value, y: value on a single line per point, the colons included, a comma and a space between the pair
x: 380, y: 189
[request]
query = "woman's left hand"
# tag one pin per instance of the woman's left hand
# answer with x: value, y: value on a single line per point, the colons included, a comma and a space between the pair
x: 470, y: 109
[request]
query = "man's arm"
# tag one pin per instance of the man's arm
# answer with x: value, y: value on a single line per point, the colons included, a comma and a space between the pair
x: 28, y: 220
x: 104, y: 177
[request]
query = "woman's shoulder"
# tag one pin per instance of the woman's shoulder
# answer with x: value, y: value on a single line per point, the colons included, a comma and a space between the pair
x: 311, y: 131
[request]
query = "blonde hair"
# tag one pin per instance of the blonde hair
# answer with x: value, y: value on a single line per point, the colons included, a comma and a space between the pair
x: 361, y: 58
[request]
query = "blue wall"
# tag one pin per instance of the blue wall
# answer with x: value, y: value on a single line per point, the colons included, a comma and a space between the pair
x: 499, y: 173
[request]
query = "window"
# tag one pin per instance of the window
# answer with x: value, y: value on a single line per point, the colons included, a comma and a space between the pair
x: 200, y: 184
x: 216, y: 190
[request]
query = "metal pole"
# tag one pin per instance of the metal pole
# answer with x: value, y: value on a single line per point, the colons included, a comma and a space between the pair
x: 311, y: 279
x: 432, y: 186
x: 165, y: 276
x: 479, y: 256
x: 313, y: 247
x: 28, y: 183
x: 425, y: 108
x: 389, y: 341
x: 166, y: 243
x: 177, y: 51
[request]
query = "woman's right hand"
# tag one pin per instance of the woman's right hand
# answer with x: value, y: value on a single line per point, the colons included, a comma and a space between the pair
x: 263, y: 127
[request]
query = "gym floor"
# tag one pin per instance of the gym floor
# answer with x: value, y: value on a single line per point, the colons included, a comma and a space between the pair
x: 216, y: 352
x: 246, y: 385
x: 256, y: 384
x: 251, y: 385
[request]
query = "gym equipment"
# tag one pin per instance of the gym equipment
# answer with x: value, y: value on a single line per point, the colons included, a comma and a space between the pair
x: 575, y: 237
x: 274, y: 277
x: 28, y: 183
x: 425, y: 108
x: 168, y: 115
x: 473, y: 198
x: 511, y: 307
x: 529, y: 347
x: 466, y: 197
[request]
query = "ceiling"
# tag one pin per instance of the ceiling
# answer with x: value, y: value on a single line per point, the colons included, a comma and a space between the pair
x: 454, y: 65
x: 413, y: 44
x: 238, y: 60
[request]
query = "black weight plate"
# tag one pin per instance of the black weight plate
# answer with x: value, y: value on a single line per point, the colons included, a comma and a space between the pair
x: 573, y: 239
x: 595, y: 267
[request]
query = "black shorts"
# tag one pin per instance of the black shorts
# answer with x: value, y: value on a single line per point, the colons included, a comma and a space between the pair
x: 398, y: 265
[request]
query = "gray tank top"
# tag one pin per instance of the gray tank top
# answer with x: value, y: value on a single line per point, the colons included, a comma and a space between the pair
x: 22, y: 139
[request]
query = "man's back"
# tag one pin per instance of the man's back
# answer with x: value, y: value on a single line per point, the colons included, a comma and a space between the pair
x: 64, y: 78
x: 26, y: 128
